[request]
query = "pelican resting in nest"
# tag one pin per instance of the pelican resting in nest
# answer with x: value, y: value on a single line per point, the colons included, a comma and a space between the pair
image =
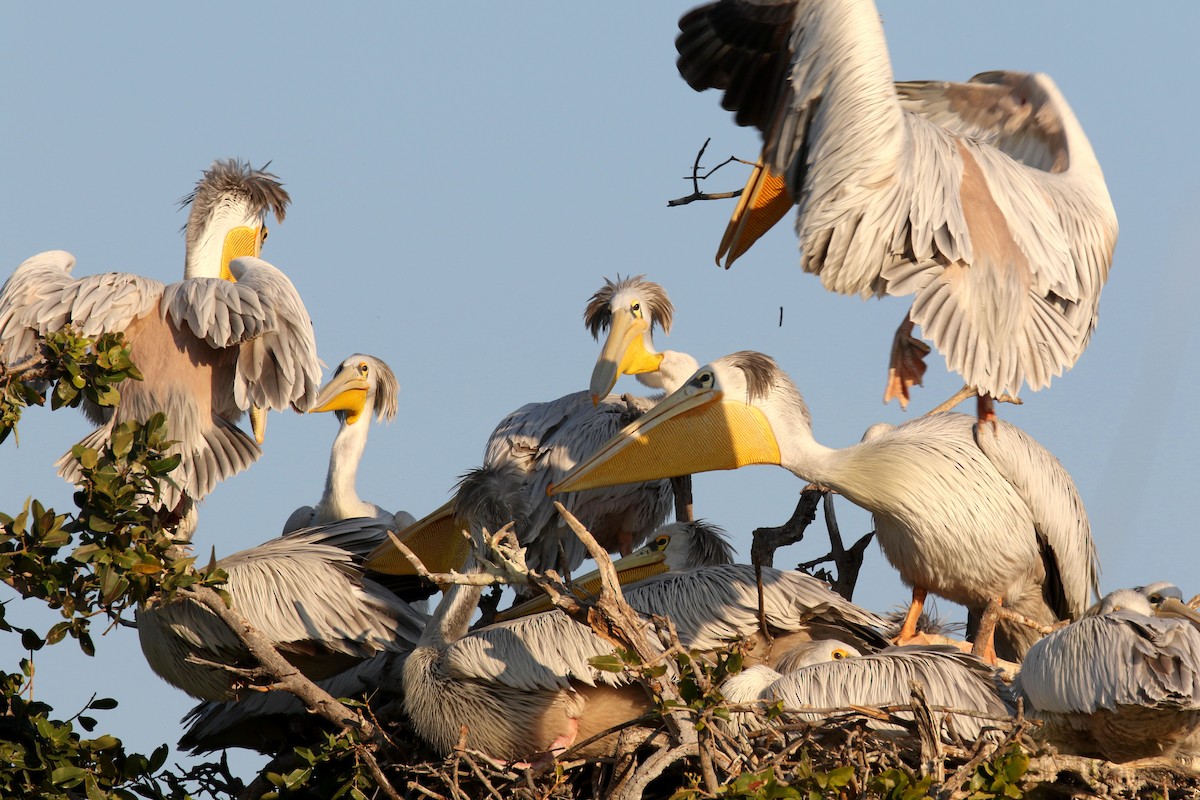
x: 1122, y: 683
x: 983, y: 200
x: 360, y: 386
x: 306, y: 591
x: 232, y: 336
x: 977, y: 519
x: 821, y: 677
x: 542, y: 441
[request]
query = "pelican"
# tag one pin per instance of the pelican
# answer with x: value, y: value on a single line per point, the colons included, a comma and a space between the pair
x: 831, y: 674
x: 975, y: 519
x: 306, y: 591
x: 984, y: 200
x: 525, y: 686
x: 231, y: 336
x: 542, y: 441
x: 1122, y: 683
x: 672, y: 548
x: 362, y: 384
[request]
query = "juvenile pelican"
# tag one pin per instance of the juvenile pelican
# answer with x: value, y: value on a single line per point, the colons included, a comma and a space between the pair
x: 361, y: 385
x: 1122, y: 683
x: 975, y: 519
x: 982, y: 199
x: 830, y: 674
x: 232, y: 335
x: 305, y: 591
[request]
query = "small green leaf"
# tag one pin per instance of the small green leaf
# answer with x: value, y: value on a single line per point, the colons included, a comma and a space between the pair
x: 608, y: 663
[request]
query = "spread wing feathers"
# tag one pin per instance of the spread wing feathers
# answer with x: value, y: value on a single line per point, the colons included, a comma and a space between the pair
x: 1114, y: 660
x: 950, y: 679
x: 268, y: 721
x: 546, y: 440
x: 711, y: 606
x: 262, y: 312
x: 1061, y: 522
x: 41, y: 297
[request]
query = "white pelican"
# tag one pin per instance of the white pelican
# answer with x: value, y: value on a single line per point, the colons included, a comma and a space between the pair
x: 973, y: 519
x: 982, y: 199
x: 305, y: 591
x: 831, y: 674
x: 361, y: 385
x: 232, y: 335
x: 1122, y: 683
x: 542, y: 441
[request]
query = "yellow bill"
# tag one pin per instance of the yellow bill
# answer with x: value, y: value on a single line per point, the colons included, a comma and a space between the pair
x: 241, y: 241
x: 763, y: 202
x: 435, y: 539
x: 693, y: 430
x: 346, y: 391
x: 1174, y: 607
x: 624, y: 353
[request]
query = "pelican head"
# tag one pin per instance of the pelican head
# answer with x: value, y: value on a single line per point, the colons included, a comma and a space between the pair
x: 228, y: 216
x: 628, y: 309
x: 818, y: 651
x: 1160, y: 599
x: 716, y: 420
x: 361, y: 383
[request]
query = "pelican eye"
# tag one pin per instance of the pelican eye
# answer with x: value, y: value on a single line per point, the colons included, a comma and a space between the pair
x: 635, y: 307
x: 662, y: 541
x: 839, y: 654
x: 363, y: 368
x: 265, y: 233
x: 1156, y: 598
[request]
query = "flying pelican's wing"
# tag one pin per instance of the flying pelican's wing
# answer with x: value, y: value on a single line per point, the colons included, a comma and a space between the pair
x: 1064, y: 536
x: 712, y: 606
x: 262, y: 312
x: 534, y: 653
x: 41, y: 296
x: 1113, y: 660
x: 949, y: 677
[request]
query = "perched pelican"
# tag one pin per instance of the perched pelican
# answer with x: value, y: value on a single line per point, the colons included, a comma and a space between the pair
x: 361, y: 385
x: 231, y: 336
x: 830, y: 674
x: 525, y: 686
x: 672, y: 548
x: 305, y: 591
x: 982, y: 199
x: 1122, y: 683
x: 545, y: 440
x: 975, y: 519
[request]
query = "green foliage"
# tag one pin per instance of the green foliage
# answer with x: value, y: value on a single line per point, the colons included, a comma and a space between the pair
x: 900, y: 784
x: 1000, y: 777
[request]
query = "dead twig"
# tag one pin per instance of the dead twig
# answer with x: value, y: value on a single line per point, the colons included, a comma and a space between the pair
x: 696, y: 177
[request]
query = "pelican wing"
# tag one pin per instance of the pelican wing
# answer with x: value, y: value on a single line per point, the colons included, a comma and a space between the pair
x: 263, y: 313
x: 535, y: 653
x: 1114, y: 660
x: 949, y: 677
x: 41, y: 296
x: 1064, y: 535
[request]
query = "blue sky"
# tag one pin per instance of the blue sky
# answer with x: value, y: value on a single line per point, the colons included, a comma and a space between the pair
x: 464, y: 178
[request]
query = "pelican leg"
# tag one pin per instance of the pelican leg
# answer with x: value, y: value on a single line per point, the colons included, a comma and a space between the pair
x: 908, y: 630
x: 906, y: 367
x: 681, y: 488
x: 985, y: 636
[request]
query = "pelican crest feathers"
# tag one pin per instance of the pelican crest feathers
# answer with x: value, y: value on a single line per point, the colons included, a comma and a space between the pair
x: 598, y: 314
x: 261, y: 189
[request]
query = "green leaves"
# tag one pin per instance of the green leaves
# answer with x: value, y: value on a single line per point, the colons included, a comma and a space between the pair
x: 1000, y: 777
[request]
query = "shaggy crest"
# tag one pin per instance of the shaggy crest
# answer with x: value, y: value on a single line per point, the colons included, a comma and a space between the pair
x: 491, y: 497
x: 760, y: 370
x: 710, y: 544
x: 260, y: 188
x: 597, y: 316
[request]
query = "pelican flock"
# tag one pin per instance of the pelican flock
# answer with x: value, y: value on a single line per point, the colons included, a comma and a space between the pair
x: 983, y: 200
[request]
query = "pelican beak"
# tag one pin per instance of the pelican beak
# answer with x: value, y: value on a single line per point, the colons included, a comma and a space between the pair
x: 642, y: 563
x: 624, y: 353
x: 435, y: 540
x: 696, y: 429
x: 241, y: 241
x: 1174, y: 607
x: 258, y: 423
x: 346, y: 391
x: 764, y: 201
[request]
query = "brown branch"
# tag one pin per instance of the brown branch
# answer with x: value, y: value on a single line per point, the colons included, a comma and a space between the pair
x: 696, y: 177
x: 768, y: 540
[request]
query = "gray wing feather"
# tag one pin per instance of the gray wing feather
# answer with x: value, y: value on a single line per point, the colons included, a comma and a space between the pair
x: 1057, y: 510
x: 1114, y: 660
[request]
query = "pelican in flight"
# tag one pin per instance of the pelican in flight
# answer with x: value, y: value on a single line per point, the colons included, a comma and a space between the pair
x: 232, y: 335
x: 1122, y: 683
x: 984, y: 200
x: 830, y: 674
x: 976, y: 519
x: 672, y: 548
x: 360, y: 386
x: 306, y: 591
